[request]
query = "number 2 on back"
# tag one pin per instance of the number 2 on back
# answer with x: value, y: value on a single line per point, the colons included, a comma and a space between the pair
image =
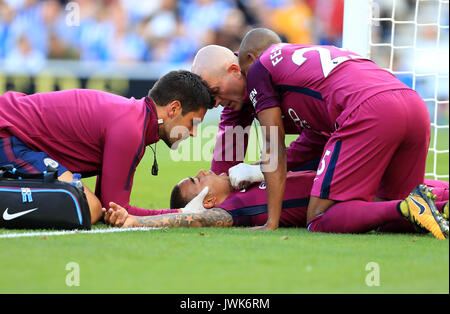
x: 327, y: 63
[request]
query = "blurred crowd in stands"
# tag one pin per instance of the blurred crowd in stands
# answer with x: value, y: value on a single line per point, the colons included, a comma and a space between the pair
x: 172, y: 31
x: 32, y: 31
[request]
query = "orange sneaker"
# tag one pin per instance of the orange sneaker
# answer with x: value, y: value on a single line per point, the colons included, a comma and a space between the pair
x: 419, y: 208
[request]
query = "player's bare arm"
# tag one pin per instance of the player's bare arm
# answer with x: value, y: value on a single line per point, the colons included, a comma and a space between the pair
x: 317, y: 206
x: 275, y: 174
x: 215, y: 217
x: 117, y: 216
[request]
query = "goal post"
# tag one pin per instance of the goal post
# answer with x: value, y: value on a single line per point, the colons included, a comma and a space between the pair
x: 356, y: 26
x: 411, y: 40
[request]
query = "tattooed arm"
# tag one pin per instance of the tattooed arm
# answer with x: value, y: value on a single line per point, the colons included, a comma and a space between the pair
x: 216, y: 217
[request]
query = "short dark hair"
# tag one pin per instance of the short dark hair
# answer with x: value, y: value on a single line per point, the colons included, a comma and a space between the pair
x: 188, y: 88
x: 177, y: 200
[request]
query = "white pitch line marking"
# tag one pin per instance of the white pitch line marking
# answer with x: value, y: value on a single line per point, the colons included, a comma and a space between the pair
x: 68, y: 232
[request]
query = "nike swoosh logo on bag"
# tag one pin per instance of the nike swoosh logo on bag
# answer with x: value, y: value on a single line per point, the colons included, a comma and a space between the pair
x: 8, y: 216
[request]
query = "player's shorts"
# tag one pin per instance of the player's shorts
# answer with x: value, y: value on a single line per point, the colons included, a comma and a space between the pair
x: 14, y: 151
x: 379, y: 150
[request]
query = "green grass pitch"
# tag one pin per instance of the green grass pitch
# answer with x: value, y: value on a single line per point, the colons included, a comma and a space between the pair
x: 215, y: 260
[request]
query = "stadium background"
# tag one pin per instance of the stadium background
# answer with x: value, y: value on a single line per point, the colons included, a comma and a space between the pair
x: 123, y: 46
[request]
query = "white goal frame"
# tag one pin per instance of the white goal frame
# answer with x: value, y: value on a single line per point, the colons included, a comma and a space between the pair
x: 357, y: 27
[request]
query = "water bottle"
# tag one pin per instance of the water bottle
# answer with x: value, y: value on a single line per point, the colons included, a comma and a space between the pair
x: 76, y: 182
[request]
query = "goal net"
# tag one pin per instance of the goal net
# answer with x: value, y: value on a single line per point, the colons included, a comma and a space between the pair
x: 410, y: 38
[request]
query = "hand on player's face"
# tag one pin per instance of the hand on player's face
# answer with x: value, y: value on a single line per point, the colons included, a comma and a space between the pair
x: 193, y: 186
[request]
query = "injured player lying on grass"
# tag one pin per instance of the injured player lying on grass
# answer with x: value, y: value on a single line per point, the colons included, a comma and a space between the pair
x: 224, y: 206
